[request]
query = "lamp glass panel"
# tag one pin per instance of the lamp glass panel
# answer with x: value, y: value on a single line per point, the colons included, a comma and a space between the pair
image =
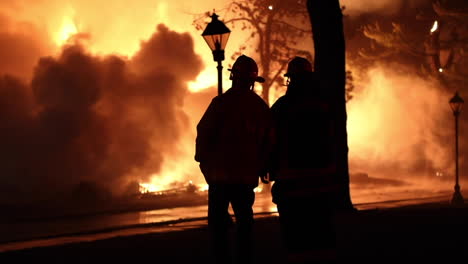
x: 456, y: 106
x: 211, y: 40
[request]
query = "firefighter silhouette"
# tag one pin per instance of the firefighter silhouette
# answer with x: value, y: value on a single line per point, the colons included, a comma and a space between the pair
x: 303, y: 164
x: 233, y: 144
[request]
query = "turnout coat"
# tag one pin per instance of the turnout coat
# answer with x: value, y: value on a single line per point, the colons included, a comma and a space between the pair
x: 234, y: 138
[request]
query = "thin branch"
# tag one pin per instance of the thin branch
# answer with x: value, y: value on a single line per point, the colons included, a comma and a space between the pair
x: 294, y: 27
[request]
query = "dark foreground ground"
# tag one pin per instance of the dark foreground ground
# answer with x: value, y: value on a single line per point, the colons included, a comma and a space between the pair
x: 424, y: 233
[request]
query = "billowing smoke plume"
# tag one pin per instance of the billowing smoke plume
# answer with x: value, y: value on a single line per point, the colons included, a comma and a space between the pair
x: 387, y: 7
x: 93, y: 118
x: 399, y: 125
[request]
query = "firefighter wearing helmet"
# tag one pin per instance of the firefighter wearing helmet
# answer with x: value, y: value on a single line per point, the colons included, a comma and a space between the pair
x: 298, y: 66
x: 245, y: 70
x: 303, y: 165
x: 299, y: 74
x: 234, y: 141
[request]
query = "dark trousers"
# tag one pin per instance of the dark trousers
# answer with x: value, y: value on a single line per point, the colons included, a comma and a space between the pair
x: 306, y: 225
x: 241, y: 197
x: 307, y: 220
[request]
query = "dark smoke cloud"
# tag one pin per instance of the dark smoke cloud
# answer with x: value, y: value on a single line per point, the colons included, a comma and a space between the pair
x: 86, y: 118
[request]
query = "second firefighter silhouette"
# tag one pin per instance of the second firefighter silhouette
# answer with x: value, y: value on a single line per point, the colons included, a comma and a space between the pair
x: 233, y: 143
x: 303, y: 164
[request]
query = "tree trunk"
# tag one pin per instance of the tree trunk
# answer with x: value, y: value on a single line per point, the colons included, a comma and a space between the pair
x: 329, y: 43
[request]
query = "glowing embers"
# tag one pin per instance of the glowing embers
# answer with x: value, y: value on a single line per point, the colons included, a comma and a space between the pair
x: 178, y: 187
x: 148, y: 187
x: 172, y: 188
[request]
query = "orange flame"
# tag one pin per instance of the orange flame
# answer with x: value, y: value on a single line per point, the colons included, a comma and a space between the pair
x: 205, y: 79
x: 67, y: 30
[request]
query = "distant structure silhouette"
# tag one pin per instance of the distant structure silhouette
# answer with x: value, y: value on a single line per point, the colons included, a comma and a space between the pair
x: 303, y: 164
x: 234, y: 138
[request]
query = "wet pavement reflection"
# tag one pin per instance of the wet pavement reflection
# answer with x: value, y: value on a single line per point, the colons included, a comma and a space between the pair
x: 52, y: 232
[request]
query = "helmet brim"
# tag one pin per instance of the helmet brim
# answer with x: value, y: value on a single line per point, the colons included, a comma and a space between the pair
x: 259, y: 79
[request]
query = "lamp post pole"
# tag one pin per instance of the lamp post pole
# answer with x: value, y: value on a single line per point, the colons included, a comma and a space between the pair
x: 220, y: 77
x: 456, y: 103
x: 218, y: 56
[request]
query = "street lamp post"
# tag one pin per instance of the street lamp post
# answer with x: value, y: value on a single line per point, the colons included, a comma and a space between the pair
x: 456, y: 103
x: 216, y: 35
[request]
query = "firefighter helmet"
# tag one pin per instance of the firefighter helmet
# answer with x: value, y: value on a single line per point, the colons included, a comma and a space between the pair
x: 298, y: 66
x: 245, y: 68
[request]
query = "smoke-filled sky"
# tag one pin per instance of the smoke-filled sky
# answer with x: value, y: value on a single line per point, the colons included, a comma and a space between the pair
x: 116, y: 104
x: 99, y: 118
x: 110, y: 110
x: 384, y: 7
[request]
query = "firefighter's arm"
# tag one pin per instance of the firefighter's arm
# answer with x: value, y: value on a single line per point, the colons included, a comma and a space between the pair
x: 206, y: 132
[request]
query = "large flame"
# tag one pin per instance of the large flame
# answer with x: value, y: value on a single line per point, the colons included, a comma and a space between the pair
x: 122, y: 36
x: 205, y: 79
x: 67, y: 30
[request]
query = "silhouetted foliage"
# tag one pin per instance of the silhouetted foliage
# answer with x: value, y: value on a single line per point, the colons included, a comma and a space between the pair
x: 349, y: 89
x: 436, y: 39
x: 278, y: 31
x: 277, y: 28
